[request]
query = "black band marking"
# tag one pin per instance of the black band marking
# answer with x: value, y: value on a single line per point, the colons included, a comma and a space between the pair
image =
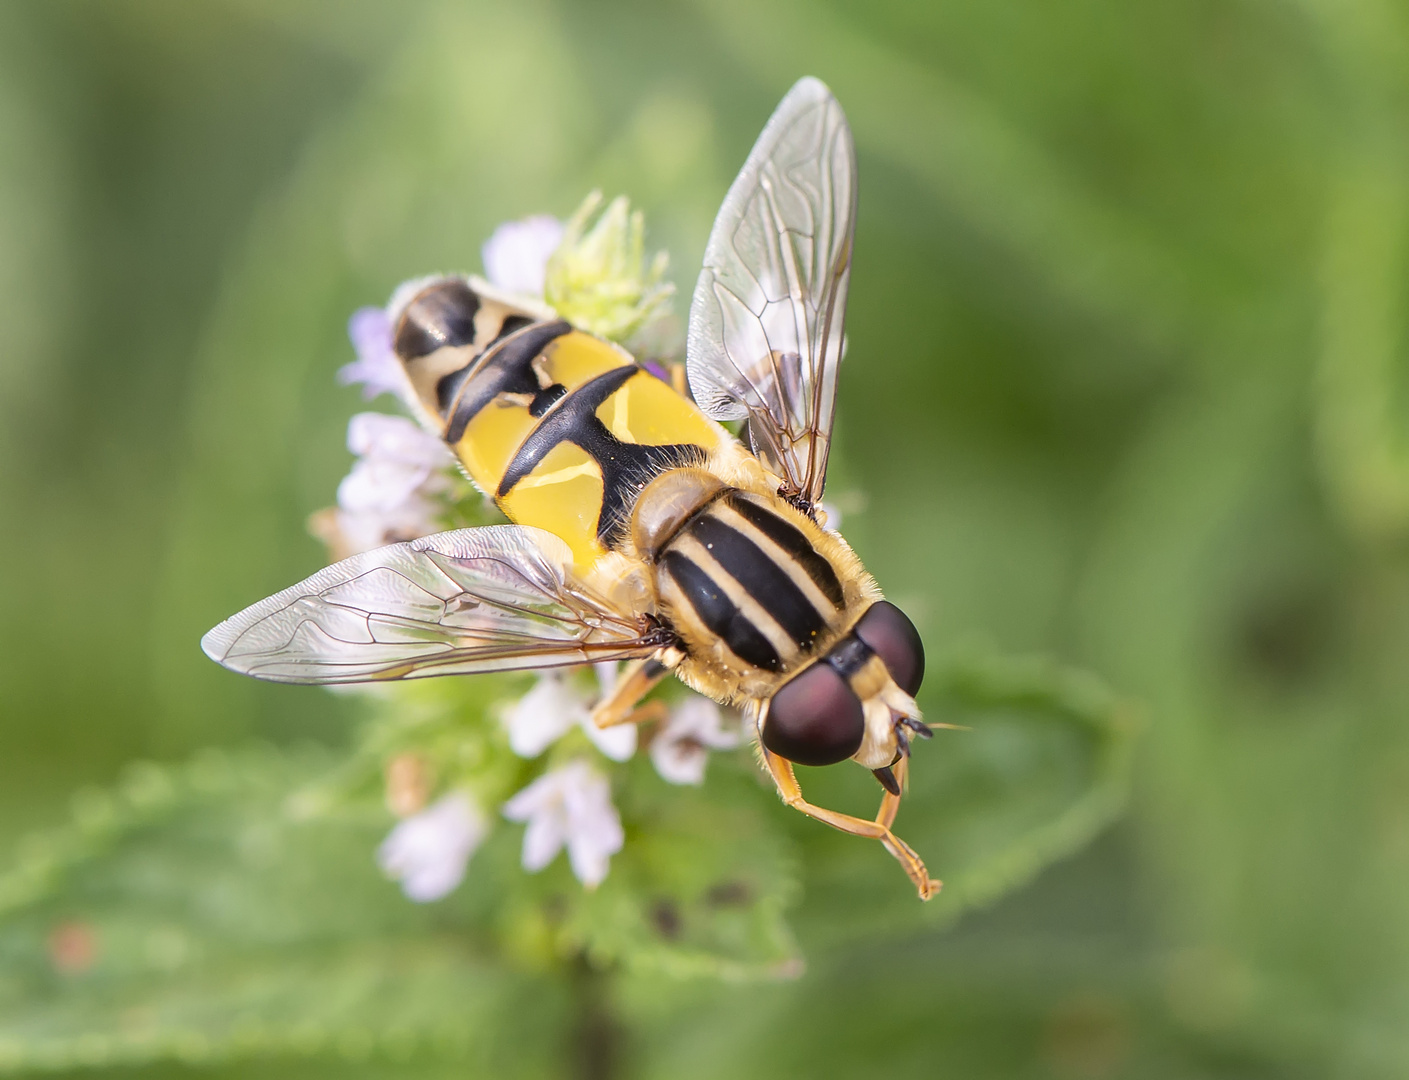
x: 719, y: 614
x: 505, y: 369
x: 545, y: 399
x: 792, y: 540
x: 512, y: 324
x: 441, y: 314
x: 447, y: 388
x: 626, y: 467
x: 849, y: 656
x: 762, y: 578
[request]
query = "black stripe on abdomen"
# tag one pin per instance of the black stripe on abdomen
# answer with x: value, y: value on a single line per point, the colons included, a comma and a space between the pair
x: 762, y: 578
x: 507, y: 368
x: 792, y: 540
x: 719, y: 614
x: 626, y: 468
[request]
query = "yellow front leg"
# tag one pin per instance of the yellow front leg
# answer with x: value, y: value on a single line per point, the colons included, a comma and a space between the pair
x: 791, y: 793
x: 619, y: 706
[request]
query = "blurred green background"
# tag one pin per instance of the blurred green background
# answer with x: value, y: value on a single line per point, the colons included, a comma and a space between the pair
x: 1127, y: 387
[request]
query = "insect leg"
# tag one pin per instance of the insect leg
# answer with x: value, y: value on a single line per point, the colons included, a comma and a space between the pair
x: 619, y: 706
x: 791, y: 793
x: 890, y: 804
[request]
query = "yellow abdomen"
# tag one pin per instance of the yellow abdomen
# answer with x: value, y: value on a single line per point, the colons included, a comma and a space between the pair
x: 565, y: 433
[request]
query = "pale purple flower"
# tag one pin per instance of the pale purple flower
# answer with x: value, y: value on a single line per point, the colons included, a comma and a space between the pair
x: 569, y: 806
x: 681, y: 748
x: 516, y: 254
x: 376, y: 366
x: 427, y: 852
x: 397, y: 458
x: 550, y: 710
x: 831, y: 516
x: 390, y: 493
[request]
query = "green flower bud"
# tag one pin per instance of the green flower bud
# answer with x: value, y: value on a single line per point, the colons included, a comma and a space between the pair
x: 598, y: 279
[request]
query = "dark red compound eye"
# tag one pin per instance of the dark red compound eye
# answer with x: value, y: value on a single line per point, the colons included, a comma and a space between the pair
x: 895, y: 640
x: 815, y: 719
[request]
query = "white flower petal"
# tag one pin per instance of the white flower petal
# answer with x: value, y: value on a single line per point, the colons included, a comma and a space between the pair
x: 572, y: 804
x: 606, y: 675
x: 594, y: 828
x: 387, y: 496
x: 432, y: 882
x: 617, y: 742
x: 543, y: 839
x: 542, y: 716
x: 395, y: 438
x: 680, y: 751
x: 427, y: 853
x: 679, y: 761
x: 516, y: 254
x: 589, y: 864
x: 537, y: 798
x: 705, y: 720
x: 379, y: 486
x: 364, y: 530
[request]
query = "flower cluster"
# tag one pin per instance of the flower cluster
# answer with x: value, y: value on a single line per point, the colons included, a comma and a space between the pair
x: 396, y: 490
x: 404, y: 485
x: 568, y: 806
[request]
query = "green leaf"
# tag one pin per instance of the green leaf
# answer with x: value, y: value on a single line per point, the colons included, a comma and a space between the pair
x: 1363, y: 436
x: 1042, y: 767
x: 699, y: 889
x: 703, y: 882
x: 232, y: 908
x: 202, y: 914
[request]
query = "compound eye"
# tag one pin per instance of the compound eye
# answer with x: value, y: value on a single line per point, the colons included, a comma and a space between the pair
x: 440, y: 314
x: 895, y: 640
x: 815, y: 719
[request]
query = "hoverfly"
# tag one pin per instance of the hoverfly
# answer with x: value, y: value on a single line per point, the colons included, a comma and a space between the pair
x: 643, y: 530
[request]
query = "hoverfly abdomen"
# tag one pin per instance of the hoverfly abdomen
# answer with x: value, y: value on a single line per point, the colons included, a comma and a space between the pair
x: 571, y: 427
x: 563, y: 430
x: 505, y: 368
x: 440, y: 329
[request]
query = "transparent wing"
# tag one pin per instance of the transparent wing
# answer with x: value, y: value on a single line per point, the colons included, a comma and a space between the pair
x: 765, y: 337
x: 489, y: 599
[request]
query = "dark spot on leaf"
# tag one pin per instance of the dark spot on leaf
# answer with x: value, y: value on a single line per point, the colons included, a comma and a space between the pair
x: 666, y: 917
x: 730, y: 894
x: 555, y: 907
x: 1087, y: 1038
x: 1285, y: 638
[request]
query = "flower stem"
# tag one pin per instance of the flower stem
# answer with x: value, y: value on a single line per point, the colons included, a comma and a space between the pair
x: 595, y: 1051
